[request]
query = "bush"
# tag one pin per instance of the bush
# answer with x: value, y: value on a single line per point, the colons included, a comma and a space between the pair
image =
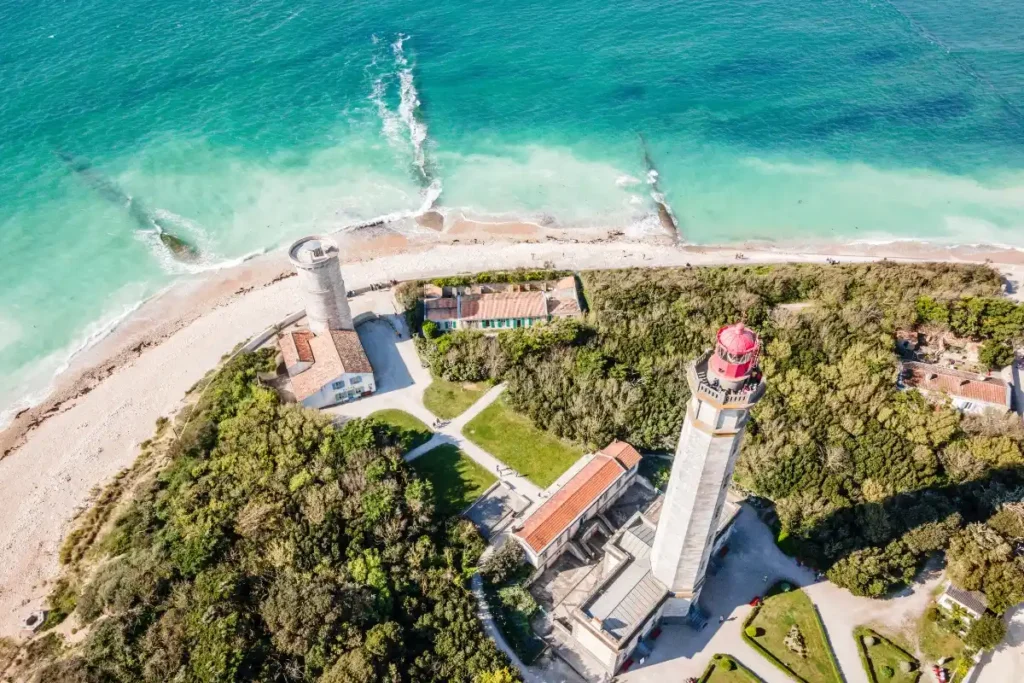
x: 887, y: 672
x: 755, y: 631
x: 869, y: 641
x: 906, y: 666
x: 504, y: 563
x: 986, y: 633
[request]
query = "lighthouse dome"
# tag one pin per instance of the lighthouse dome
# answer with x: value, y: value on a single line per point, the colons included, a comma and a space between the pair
x: 737, y: 340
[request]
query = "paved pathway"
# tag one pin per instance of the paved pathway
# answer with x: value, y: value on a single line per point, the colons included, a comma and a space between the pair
x: 452, y: 433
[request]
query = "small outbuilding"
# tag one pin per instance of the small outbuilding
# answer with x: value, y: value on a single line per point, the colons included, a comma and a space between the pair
x: 972, y: 603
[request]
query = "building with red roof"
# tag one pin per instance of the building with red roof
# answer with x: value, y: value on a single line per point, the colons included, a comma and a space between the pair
x: 545, y: 534
x: 968, y: 392
x: 500, y: 306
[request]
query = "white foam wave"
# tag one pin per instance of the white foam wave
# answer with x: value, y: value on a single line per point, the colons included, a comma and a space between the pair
x: 408, y: 105
x: 626, y: 181
x: 61, y: 360
x: 430, y: 196
x: 207, y: 262
x: 391, y: 124
x: 648, y: 225
x: 407, y: 109
x: 652, y: 177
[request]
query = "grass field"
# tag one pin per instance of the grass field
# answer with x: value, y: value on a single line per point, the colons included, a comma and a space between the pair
x: 457, y: 480
x: 512, y: 439
x: 718, y: 672
x: 883, y: 657
x: 777, y: 615
x: 414, y: 432
x: 450, y: 399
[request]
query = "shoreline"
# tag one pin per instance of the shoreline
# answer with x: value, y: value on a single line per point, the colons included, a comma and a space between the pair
x: 155, y: 319
x: 106, y: 404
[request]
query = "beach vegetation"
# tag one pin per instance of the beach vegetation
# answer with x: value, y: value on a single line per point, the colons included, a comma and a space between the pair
x: 275, y: 545
x: 862, y: 475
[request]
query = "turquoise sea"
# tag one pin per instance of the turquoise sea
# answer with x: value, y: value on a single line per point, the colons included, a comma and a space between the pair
x: 244, y: 124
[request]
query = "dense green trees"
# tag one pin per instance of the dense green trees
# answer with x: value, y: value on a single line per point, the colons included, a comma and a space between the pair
x: 867, y: 480
x: 276, y: 547
x: 999, y: 323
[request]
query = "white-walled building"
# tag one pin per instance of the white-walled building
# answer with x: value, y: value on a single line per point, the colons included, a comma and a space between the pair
x: 967, y: 391
x: 326, y: 369
x: 545, y: 534
x: 972, y: 604
x: 654, y: 567
x: 325, y: 360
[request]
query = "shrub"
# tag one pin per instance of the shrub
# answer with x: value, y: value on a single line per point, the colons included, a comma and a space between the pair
x: 906, y: 666
x: 503, y: 563
x: 986, y: 632
x: 869, y: 640
x: 755, y: 631
x: 728, y: 664
x: 887, y: 672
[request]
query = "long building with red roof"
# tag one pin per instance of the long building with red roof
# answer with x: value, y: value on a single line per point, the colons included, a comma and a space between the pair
x: 545, y: 534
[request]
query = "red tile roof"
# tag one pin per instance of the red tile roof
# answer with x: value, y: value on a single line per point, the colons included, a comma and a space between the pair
x: 504, y: 305
x: 956, y: 383
x: 623, y: 452
x: 332, y: 355
x: 578, y: 494
x: 441, y: 309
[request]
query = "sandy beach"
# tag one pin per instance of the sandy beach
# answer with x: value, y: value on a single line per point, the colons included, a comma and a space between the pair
x: 55, y: 454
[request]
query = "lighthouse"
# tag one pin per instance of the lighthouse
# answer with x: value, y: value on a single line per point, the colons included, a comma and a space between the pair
x: 725, y: 384
x: 315, y: 259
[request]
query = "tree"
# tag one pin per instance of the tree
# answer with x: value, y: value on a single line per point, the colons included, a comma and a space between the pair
x: 985, y: 633
x: 503, y: 563
x: 276, y: 546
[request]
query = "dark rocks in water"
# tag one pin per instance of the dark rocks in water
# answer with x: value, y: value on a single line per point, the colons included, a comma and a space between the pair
x: 146, y: 220
x: 668, y: 221
x: 179, y: 248
x: 431, y: 219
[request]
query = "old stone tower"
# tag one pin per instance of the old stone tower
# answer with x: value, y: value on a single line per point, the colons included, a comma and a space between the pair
x: 316, y: 261
x: 725, y: 384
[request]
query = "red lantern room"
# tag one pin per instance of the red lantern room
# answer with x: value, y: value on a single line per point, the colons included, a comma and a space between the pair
x: 735, y: 355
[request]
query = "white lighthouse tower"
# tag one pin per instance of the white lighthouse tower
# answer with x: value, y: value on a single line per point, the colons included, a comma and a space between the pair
x: 725, y: 384
x: 316, y: 261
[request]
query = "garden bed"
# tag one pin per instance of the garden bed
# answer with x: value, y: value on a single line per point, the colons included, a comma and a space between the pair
x: 769, y: 625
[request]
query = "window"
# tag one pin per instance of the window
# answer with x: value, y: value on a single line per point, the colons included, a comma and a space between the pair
x: 338, y: 385
x: 358, y: 379
x: 340, y: 396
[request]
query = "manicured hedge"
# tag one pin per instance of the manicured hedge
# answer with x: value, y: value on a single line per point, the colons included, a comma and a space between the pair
x: 859, y: 633
x: 764, y: 652
x: 715, y: 659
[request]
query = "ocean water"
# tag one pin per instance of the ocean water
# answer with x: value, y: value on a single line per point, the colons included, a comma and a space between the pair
x: 244, y: 124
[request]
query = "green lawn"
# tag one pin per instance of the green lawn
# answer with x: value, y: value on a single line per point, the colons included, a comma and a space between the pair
x: 776, y: 616
x: 511, y: 438
x: 450, y: 399
x: 457, y: 480
x: 718, y: 671
x: 884, y: 658
x: 414, y: 432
